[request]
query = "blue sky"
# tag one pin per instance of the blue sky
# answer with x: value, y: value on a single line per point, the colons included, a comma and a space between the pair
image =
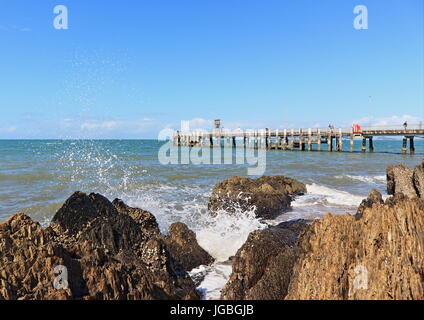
x: 127, y: 69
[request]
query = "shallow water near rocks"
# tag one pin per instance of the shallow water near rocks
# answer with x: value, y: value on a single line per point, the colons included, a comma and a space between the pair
x: 36, y: 176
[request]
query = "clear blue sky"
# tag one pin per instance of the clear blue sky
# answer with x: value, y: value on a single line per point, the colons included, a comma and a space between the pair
x: 127, y: 69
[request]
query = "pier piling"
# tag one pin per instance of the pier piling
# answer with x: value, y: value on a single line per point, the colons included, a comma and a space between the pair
x: 371, y: 145
x: 295, y: 139
x: 411, y: 145
x: 364, y: 145
x: 404, y: 142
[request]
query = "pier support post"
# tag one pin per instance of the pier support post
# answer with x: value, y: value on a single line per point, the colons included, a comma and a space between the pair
x: 364, y: 144
x: 404, y: 142
x: 267, y: 139
x: 309, y: 139
x: 330, y: 143
x: 234, y: 142
x: 210, y: 141
x: 411, y: 145
x: 371, y: 145
x: 178, y: 139
x: 340, y: 142
x: 300, y: 140
x: 285, y: 139
x: 319, y: 139
x: 292, y: 140
x: 352, y: 141
x: 277, y: 140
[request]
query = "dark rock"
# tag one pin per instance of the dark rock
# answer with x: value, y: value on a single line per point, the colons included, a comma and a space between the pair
x: 182, y: 244
x: 94, y: 218
x: 27, y: 260
x: 108, y: 255
x: 373, y: 198
x: 270, y: 196
x: 262, y: 267
x: 146, y: 221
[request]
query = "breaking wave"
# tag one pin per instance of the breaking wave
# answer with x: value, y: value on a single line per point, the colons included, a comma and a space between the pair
x: 377, y: 179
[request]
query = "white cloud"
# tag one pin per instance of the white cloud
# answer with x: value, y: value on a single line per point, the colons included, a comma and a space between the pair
x: 200, y: 124
x: 14, y: 28
x: 388, y: 121
x: 9, y: 129
x: 110, y: 127
x: 107, y: 125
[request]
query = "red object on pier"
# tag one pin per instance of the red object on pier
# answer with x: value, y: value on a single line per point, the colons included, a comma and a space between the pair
x: 356, y: 128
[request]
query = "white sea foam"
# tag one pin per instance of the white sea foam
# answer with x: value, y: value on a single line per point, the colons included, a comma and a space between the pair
x: 224, y: 234
x: 221, y: 234
x: 377, y: 179
x: 215, y: 278
x: 322, y: 195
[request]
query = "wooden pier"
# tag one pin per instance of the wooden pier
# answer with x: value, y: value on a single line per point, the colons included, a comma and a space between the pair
x: 311, y: 139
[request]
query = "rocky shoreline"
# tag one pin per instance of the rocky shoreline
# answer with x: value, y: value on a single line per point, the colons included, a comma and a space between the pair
x: 110, y: 251
x: 113, y: 251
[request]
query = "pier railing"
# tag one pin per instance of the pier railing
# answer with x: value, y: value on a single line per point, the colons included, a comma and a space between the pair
x: 299, y: 138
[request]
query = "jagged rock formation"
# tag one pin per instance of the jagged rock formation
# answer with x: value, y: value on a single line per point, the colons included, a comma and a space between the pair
x: 110, y: 251
x: 373, y: 197
x: 418, y: 178
x: 182, y: 244
x: 404, y: 180
x: 270, y: 196
x: 144, y: 219
x: 379, y: 256
x: 376, y: 254
x: 27, y: 260
x: 262, y: 267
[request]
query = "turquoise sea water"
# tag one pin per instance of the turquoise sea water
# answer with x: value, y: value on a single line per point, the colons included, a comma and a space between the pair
x: 36, y: 176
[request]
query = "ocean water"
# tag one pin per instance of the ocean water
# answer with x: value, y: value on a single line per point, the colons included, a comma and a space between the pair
x: 36, y: 176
